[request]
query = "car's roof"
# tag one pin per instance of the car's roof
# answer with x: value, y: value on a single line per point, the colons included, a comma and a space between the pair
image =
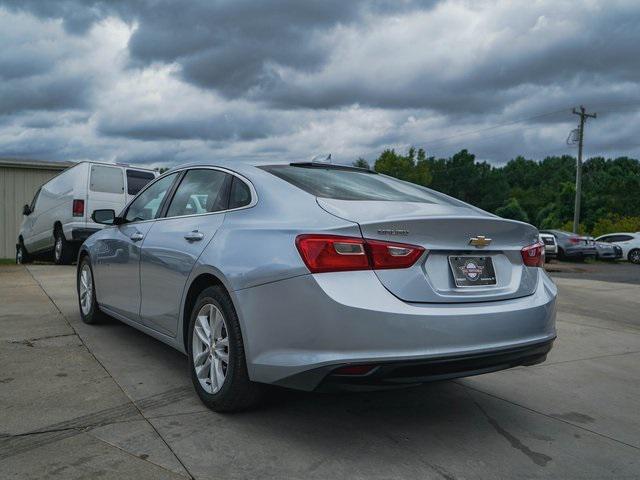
x: 633, y: 234
x: 245, y: 166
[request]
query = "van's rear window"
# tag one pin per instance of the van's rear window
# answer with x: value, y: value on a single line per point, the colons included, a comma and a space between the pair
x: 351, y: 184
x: 106, y: 179
x: 136, y: 179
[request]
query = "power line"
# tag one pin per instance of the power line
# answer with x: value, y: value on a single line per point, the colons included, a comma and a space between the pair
x: 492, y: 127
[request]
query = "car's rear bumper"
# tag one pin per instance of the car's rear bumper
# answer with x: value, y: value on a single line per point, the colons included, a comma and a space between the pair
x: 297, y: 331
x: 393, y: 374
x: 580, y: 252
x: 81, y: 234
x: 79, y: 231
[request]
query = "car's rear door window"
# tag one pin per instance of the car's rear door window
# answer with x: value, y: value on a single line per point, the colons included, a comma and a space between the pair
x: 352, y: 184
x: 136, y: 179
x: 200, y: 191
x: 106, y: 179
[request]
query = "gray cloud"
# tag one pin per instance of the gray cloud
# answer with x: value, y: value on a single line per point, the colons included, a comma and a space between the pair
x: 120, y: 80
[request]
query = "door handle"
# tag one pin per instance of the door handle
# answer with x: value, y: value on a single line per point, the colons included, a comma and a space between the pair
x: 194, y: 236
x: 136, y: 237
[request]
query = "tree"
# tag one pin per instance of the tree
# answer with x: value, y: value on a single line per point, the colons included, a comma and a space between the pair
x: 362, y: 163
x: 512, y: 210
x: 542, y: 192
x: 410, y: 167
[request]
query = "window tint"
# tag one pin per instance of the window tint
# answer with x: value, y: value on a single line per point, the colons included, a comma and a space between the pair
x: 623, y: 238
x: 240, y: 194
x: 106, y: 179
x: 146, y: 206
x: 137, y: 179
x: 200, y: 191
x: 346, y: 184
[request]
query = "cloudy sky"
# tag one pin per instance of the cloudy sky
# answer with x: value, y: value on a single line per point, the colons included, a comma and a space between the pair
x: 161, y: 82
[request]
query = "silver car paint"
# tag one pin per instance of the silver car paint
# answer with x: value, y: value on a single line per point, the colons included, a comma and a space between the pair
x: 291, y: 320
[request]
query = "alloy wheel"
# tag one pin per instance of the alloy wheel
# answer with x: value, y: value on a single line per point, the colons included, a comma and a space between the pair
x: 634, y: 256
x: 86, y: 289
x: 210, y: 347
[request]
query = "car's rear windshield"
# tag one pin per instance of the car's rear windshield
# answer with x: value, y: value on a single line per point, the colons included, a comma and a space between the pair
x: 353, y: 184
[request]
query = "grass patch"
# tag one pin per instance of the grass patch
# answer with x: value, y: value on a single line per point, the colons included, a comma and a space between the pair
x: 7, y: 261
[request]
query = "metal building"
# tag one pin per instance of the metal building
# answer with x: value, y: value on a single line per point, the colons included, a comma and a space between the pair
x: 19, y: 180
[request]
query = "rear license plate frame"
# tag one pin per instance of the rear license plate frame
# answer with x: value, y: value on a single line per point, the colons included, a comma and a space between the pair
x: 464, y: 269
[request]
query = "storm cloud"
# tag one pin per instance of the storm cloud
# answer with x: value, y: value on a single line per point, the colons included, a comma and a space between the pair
x: 162, y: 82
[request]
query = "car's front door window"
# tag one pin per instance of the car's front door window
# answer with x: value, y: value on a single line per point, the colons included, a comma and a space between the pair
x: 148, y: 203
x: 200, y: 191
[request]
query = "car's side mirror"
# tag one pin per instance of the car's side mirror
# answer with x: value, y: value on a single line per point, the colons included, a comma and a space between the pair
x: 26, y: 210
x: 105, y: 217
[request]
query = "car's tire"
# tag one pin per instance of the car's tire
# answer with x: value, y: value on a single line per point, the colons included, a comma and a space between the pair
x: 213, y: 336
x: 561, y: 254
x: 634, y: 256
x: 62, y: 250
x: 22, y: 256
x: 89, y: 310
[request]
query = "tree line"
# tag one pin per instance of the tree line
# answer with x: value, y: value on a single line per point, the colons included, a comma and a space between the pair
x: 538, y: 192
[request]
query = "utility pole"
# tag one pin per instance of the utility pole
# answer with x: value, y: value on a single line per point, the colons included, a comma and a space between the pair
x: 583, y: 118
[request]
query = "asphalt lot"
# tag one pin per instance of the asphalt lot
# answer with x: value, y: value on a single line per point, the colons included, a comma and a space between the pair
x: 621, y: 272
x: 104, y: 401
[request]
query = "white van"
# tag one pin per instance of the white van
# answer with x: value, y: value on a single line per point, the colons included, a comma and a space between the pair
x: 59, y: 217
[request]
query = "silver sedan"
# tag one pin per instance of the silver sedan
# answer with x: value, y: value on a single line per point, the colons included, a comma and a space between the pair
x: 317, y: 276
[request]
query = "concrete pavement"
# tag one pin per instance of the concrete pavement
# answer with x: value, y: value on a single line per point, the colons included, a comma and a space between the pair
x: 105, y: 401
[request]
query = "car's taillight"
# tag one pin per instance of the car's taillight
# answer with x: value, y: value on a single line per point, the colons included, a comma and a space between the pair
x: 333, y: 253
x: 574, y: 240
x: 392, y: 255
x: 533, y: 255
x: 78, y: 208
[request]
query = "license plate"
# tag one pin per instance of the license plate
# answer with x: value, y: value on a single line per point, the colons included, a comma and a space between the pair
x: 472, y: 271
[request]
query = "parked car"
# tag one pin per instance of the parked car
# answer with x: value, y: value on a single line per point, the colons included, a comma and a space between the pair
x: 58, y: 219
x: 550, y: 245
x: 573, y: 246
x: 629, y: 244
x: 607, y: 251
x: 314, y: 276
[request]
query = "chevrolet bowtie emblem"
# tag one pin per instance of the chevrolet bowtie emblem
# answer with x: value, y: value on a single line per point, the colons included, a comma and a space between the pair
x: 479, y: 241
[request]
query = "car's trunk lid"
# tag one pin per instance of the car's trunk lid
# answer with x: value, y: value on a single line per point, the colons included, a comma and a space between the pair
x: 445, y: 230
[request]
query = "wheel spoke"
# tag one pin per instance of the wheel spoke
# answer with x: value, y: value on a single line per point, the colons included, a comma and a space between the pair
x: 223, y: 342
x: 214, y: 377
x: 217, y: 323
x: 223, y: 356
x: 203, y: 371
x: 202, y: 330
x: 201, y: 357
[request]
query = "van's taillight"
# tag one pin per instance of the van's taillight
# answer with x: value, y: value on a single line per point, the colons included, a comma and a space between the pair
x: 78, y: 208
x: 533, y: 255
x: 333, y: 253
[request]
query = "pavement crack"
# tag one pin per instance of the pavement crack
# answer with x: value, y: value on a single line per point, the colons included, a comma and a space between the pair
x: 144, y: 458
x: 550, y: 417
x: 29, y: 342
x: 538, y: 458
x: 562, y: 362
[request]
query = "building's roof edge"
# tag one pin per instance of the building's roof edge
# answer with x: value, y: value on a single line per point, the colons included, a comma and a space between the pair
x: 37, y: 164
